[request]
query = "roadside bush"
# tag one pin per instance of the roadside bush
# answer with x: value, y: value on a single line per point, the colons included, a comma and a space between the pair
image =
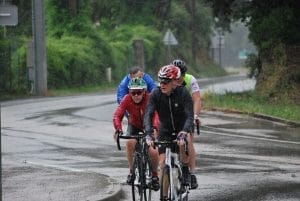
x: 72, y: 62
x: 120, y: 40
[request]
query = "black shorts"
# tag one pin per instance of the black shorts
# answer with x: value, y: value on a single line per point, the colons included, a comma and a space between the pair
x: 169, y: 138
x: 132, y: 130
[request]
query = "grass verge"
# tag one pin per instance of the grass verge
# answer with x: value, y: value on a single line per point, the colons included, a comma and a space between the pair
x: 81, y: 90
x: 251, y: 103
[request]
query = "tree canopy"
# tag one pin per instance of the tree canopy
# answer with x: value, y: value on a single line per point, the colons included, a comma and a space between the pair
x: 274, y: 29
x: 85, y: 37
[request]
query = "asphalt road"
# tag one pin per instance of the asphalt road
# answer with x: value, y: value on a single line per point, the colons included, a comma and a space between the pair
x: 238, y: 157
x: 62, y: 149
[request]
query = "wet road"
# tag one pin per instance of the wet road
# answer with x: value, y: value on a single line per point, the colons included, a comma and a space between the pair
x: 238, y: 157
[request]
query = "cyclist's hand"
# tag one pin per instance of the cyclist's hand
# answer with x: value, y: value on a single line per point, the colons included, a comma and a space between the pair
x: 149, y: 140
x: 181, y: 138
x: 197, y: 120
x: 117, y: 132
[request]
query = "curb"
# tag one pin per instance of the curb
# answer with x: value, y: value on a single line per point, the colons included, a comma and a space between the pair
x: 116, y: 193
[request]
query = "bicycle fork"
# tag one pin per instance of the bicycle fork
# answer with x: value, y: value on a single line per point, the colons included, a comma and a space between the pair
x: 173, y: 167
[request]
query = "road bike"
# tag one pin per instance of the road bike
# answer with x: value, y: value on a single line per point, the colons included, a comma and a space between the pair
x: 142, y: 186
x: 172, y: 175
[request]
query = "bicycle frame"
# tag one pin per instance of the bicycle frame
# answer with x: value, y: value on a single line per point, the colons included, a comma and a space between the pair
x: 172, y: 163
x: 176, y: 164
x: 141, y: 173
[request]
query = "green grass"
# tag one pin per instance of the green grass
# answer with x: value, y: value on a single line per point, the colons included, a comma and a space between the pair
x: 81, y: 90
x: 63, y: 92
x: 250, y: 102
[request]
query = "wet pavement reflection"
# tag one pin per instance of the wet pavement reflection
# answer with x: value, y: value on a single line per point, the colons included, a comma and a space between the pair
x: 238, y: 157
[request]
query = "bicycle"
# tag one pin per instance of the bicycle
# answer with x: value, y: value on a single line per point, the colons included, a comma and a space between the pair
x: 172, y: 175
x: 142, y: 174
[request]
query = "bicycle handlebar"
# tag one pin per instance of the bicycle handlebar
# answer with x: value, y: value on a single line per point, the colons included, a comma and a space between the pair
x: 198, y: 126
x: 171, y: 143
x: 122, y: 136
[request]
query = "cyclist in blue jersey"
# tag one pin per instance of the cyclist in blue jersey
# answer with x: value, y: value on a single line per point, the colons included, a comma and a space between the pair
x: 134, y: 72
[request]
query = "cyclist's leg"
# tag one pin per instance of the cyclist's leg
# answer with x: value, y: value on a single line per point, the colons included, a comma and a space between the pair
x: 192, y: 164
x: 130, y: 148
x: 192, y: 153
x: 185, y: 160
x: 154, y: 160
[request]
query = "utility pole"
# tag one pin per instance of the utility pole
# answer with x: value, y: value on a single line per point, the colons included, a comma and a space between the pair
x: 138, y: 52
x: 39, y: 48
x: 220, y: 50
x: 0, y: 156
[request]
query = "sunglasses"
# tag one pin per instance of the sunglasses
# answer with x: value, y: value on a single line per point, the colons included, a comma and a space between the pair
x: 136, y: 92
x: 164, y: 81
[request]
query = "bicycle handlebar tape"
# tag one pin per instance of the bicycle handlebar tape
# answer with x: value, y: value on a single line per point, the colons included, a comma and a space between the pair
x: 118, y: 141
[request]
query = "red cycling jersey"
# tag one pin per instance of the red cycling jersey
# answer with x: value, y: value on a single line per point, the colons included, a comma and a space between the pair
x: 136, y: 113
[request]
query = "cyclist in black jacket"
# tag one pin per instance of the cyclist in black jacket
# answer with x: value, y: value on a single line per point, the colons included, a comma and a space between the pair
x: 174, y: 106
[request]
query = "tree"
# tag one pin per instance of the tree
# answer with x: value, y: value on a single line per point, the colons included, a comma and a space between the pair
x: 274, y: 29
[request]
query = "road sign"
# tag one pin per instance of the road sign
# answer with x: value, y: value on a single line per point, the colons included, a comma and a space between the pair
x: 217, y: 41
x: 8, y: 15
x: 243, y: 54
x: 169, y: 38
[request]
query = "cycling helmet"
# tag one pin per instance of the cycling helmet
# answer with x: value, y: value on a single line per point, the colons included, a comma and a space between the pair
x: 169, y: 72
x: 180, y: 64
x: 137, y: 83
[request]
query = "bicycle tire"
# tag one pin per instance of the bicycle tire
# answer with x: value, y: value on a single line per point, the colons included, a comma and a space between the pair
x: 165, y: 184
x: 146, y: 185
x: 136, y: 186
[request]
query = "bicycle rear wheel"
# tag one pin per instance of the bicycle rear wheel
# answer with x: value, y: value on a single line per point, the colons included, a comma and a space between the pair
x: 165, y: 188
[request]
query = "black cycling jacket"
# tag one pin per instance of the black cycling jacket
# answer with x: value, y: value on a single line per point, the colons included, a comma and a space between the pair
x: 177, y: 106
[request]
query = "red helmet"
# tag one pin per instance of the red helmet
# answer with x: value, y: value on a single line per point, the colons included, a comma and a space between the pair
x: 169, y: 72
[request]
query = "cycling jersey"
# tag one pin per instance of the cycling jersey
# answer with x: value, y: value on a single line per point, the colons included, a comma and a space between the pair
x: 136, y: 113
x: 191, y: 83
x: 175, y: 112
x: 123, y: 86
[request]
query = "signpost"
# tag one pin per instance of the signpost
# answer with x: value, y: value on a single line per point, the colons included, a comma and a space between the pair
x: 169, y: 39
x: 218, y: 43
x: 8, y: 15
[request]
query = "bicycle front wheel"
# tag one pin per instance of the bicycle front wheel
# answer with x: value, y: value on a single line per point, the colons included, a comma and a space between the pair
x: 165, y: 187
x: 136, y: 186
x: 147, y: 179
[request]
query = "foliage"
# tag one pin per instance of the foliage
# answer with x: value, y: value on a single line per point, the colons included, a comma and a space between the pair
x: 5, y: 75
x: 85, y: 37
x: 72, y: 62
x: 274, y: 29
x: 251, y: 102
x: 62, y: 18
x: 253, y: 63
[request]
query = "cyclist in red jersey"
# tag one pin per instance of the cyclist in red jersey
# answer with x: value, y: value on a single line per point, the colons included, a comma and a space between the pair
x: 135, y: 104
